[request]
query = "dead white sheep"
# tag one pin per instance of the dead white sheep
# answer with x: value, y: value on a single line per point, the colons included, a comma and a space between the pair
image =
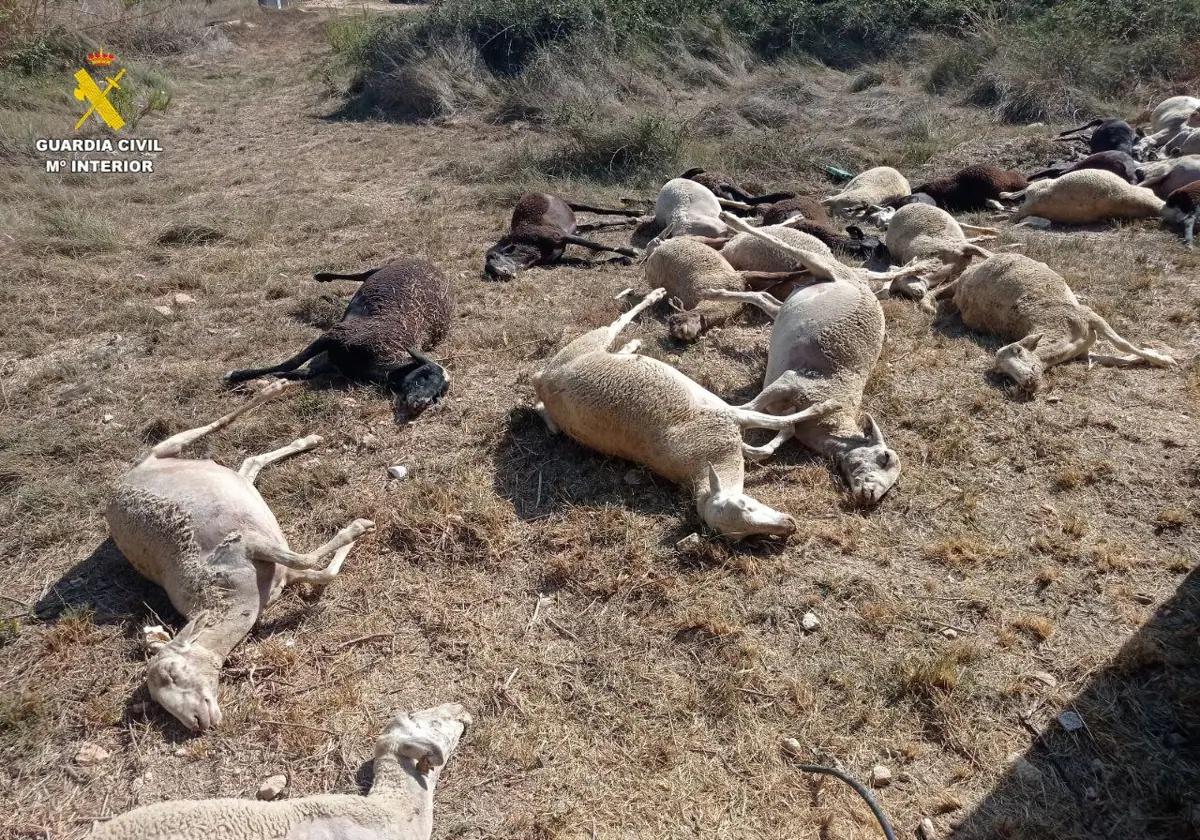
x: 1168, y: 119
x: 644, y: 410
x: 920, y: 232
x: 826, y: 339
x: 1166, y: 176
x: 1020, y: 299
x: 204, y: 534
x: 1085, y: 197
x: 687, y: 268
x: 683, y: 208
x: 874, y: 187
x: 409, y: 757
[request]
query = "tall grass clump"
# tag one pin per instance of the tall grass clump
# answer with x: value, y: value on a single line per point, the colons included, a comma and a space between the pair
x: 1073, y: 59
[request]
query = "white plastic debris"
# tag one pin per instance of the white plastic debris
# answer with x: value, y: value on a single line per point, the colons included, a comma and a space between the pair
x: 398, y: 472
x: 810, y: 622
x: 272, y: 787
x: 154, y: 636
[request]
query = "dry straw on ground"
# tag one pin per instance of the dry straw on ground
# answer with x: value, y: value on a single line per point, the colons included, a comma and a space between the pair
x: 621, y: 688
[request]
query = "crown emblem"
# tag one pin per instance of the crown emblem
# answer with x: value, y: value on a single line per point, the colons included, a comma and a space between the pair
x: 101, y: 58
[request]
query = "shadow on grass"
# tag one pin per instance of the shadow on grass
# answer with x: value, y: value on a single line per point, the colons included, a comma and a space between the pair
x: 109, y: 587
x: 1133, y: 770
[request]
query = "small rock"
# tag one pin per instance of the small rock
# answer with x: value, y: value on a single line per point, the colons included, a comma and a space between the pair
x: 791, y: 746
x: 139, y: 276
x: 90, y: 754
x: 1035, y: 222
x: 1070, y: 721
x: 880, y: 776
x: 107, y: 418
x: 165, y: 311
x: 1025, y: 771
x: 928, y: 832
x: 1090, y: 792
x: 398, y: 472
x: 1044, y: 678
x: 635, y: 477
x: 369, y: 441
x: 180, y: 751
x: 1054, y: 399
x: 272, y: 787
x: 950, y: 633
x: 810, y: 622
x: 182, y: 299
x: 689, y: 543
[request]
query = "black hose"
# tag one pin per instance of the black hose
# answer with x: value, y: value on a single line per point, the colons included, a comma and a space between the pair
x: 860, y: 790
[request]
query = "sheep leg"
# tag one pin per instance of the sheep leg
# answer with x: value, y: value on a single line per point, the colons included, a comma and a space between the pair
x: 615, y: 328
x: 1099, y: 326
x: 593, y: 226
x: 759, y: 453
x: 981, y: 231
x: 945, y: 292
x: 262, y: 549
x: 322, y: 577
x: 599, y: 246
x: 251, y: 467
x: 600, y: 211
x: 173, y: 445
x: 1189, y: 226
x: 311, y: 351
x: 762, y: 300
x: 815, y: 263
x: 734, y: 205
x: 747, y: 419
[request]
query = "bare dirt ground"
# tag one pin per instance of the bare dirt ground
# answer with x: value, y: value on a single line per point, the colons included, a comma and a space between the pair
x: 1035, y: 557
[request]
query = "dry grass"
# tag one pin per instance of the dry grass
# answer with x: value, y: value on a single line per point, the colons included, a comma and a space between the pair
x: 1042, y: 535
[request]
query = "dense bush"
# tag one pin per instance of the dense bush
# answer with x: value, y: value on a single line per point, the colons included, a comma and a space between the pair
x: 1016, y: 56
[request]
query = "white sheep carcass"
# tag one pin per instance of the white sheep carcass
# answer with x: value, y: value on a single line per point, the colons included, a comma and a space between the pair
x: 871, y: 188
x: 641, y: 409
x: 826, y: 339
x: 1085, y: 197
x: 204, y: 534
x: 1025, y: 301
x: 409, y: 757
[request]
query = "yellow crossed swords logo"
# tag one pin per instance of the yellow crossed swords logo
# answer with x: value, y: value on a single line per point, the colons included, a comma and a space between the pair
x: 89, y: 90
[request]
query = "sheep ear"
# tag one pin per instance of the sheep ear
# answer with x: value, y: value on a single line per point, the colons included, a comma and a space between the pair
x: 854, y: 232
x: 871, y: 430
x: 1030, y: 342
x: 714, y: 480
x: 420, y: 357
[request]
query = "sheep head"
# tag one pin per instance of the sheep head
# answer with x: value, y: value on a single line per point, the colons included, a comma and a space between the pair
x: 1020, y: 363
x: 733, y: 514
x: 182, y: 678
x: 508, y: 256
x: 870, y: 467
x: 419, y: 384
x: 426, y: 738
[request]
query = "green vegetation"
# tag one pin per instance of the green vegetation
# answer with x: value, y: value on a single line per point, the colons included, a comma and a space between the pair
x: 1029, y: 59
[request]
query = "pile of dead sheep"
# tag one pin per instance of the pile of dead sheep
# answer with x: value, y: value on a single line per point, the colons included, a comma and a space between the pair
x: 704, y: 249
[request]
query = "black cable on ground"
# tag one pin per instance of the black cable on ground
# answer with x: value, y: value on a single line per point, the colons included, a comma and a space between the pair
x: 860, y: 790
